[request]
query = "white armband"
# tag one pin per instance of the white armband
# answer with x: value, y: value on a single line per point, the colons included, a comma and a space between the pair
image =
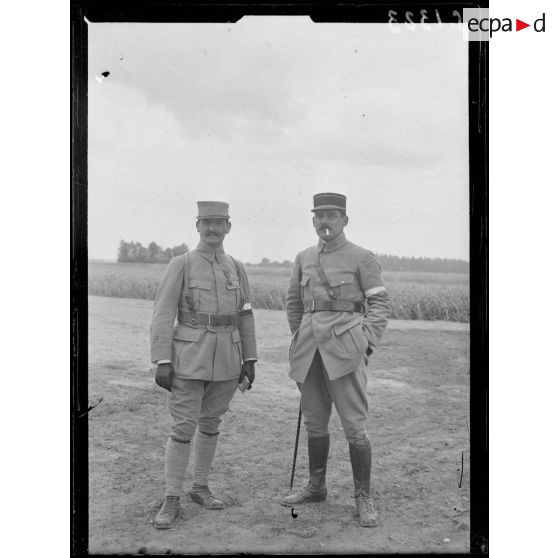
x: 374, y: 290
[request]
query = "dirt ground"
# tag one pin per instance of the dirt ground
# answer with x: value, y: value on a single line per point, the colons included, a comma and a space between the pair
x: 418, y: 386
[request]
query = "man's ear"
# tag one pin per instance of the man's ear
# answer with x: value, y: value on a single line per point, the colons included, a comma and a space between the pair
x: 198, y: 225
x: 229, y: 225
x: 345, y: 220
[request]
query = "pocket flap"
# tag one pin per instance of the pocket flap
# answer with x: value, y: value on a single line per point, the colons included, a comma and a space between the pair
x: 233, y: 284
x: 200, y: 284
x: 341, y: 279
x: 304, y: 280
x: 235, y: 335
x: 341, y: 328
x: 185, y: 333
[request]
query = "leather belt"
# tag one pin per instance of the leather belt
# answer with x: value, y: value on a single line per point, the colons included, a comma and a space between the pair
x: 201, y: 318
x: 332, y: 306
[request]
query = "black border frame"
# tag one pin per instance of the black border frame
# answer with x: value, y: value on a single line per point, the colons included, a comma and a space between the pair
x: 363, y: 11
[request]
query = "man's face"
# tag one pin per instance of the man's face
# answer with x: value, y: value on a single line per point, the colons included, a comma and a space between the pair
x: 329, y: 223
x: 213, y: 230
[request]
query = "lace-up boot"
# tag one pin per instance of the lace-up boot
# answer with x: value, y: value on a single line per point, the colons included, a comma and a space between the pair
x: 203, y: 496
x: 168, y: 513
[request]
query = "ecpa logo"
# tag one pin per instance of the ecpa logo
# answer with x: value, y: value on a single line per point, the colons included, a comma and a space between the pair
x: 478, y: 26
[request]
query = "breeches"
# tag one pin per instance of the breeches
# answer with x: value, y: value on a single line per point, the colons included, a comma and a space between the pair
x: 347, y: 393
x: 198, y: 403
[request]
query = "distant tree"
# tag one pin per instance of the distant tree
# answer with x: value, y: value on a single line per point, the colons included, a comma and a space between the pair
x: 123, y: 252
x: 264, y: 261
x: 136, y: 252
x: 142, y: 253
x: 179, y: 250
x: 156, y: 254
x: 131, y: 252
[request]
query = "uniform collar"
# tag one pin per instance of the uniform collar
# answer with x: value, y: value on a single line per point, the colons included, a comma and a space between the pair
x: 332, y: 245
x: 209, y: 253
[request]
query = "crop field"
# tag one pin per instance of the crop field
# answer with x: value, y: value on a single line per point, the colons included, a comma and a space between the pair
x: 414, y: 295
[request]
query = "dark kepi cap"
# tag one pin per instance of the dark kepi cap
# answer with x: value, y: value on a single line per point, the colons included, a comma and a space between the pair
x: 215, y: 209
x: 329, y: 200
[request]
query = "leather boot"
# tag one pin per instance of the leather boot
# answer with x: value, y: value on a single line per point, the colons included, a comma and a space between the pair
x: 203, y: 496
x: 316, y: 491
x: 168, y: 512
x: 361, y: 460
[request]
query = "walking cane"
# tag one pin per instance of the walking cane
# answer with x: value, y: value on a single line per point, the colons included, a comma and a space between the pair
x: 296, y: 444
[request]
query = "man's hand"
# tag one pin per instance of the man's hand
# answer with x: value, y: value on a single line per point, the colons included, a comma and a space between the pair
x: 164, y: 375
x: 249, y: 372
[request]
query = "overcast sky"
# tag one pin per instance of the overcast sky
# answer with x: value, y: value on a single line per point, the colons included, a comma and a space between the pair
x: 265, y: 113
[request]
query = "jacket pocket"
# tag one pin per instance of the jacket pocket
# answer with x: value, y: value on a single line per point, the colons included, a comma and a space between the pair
x: 341, y: 284
x: 233, y: 289
x: 184, y: 333
x: 339, y: 279
x: 351, y: 337
x: 342, y: 328
x: 197, y: 287
x: 305, y: 287
x: 184, y: 347
x: 197, y: 284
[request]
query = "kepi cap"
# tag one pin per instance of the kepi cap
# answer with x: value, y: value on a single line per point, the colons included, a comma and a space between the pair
x: 329, y: 200
x: 215, y: 209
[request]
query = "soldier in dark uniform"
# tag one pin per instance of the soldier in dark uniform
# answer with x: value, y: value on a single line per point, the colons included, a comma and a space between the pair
x: 203, y: 356
x: 337, y: 308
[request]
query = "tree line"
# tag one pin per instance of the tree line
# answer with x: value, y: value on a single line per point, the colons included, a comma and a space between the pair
x: 136, y: 252
x: 396, y: 263
x: 444, y: 265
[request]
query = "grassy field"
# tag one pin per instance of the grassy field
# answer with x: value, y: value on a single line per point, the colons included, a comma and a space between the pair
x: 414, y: 296
x: 418, y: 391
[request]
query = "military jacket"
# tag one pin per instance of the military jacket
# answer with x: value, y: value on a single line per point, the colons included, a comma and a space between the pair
x: 342, y: 338
x: 210, y: 282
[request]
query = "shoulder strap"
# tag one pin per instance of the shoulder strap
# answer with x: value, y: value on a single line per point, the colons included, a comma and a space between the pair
x: 187, y: 267
x: 187, y: 278
x: 239, y: 281
x: 323, y: 277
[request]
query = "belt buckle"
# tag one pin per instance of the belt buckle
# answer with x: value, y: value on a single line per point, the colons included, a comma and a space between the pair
x: 209, y: 319
x: 312, y: 305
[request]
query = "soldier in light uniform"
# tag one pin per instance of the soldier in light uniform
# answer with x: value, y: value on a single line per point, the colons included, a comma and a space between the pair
x: 202, y: 358
x: 337, y: 308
